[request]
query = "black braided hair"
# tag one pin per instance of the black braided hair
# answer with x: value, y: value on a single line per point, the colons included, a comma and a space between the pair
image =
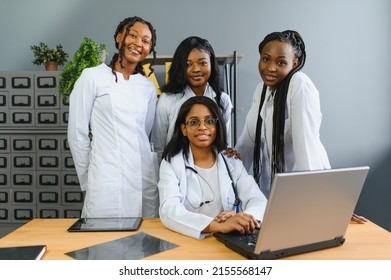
x: 124, y: 26
x: 278, y: 156
x: 177, y: 77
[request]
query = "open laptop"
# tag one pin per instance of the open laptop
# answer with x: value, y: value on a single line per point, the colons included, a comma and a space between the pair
x: 306, y: 211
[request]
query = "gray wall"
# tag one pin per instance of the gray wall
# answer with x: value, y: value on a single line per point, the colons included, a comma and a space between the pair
x: 348, y: 44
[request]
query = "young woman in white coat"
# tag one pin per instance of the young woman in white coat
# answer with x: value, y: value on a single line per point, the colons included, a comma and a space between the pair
x: 281, y: 131
x: 194, y: 72
x: 201, y: 190
x: 110, y: 119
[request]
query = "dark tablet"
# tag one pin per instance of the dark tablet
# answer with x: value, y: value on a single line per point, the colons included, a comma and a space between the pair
x: 106, y: 224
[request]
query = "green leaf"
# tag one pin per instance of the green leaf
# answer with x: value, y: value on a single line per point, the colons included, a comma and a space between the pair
x: 89, y: 54
x: 42, y: 54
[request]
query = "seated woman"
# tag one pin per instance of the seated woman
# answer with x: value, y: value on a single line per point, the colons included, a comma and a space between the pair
x: 201, y: 190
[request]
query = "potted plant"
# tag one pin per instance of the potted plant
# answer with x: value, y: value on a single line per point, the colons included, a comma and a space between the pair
x: 51, y: 58
x: 89, y: 54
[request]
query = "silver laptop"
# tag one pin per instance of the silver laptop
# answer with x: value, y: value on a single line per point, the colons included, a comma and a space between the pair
x: 306, y: 211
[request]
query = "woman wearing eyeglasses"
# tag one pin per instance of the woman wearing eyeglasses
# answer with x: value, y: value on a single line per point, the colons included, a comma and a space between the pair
x: 201, y: 190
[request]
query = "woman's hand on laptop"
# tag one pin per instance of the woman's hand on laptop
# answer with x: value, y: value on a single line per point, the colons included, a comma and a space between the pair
x: 223, y: 216
x: 241, y: 222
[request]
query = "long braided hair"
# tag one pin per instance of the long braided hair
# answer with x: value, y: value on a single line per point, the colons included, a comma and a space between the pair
x: 278, y: 156
x: 125, y: 25
x: 177, y: 77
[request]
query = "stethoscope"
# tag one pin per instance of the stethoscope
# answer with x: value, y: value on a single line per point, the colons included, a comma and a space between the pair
x: 237, y: 199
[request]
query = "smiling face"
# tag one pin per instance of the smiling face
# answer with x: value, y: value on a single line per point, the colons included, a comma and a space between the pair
x: 203, y: 136
x: 276, y: 61
x: 137, y: 44
x: 198, y: 70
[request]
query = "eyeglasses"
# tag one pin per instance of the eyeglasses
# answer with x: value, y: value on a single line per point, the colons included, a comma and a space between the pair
x: 194, y: 124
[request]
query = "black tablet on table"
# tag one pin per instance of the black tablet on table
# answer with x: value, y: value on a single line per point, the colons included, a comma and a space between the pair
x: 106, y: 224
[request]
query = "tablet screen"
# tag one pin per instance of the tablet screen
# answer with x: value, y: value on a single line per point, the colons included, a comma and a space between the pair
x: 106, y: 224
x: 133, y: 247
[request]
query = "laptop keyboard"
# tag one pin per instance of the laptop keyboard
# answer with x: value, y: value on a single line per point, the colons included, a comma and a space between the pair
x: 247, y: 239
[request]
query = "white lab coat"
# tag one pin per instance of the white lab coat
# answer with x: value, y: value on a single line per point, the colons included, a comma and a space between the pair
x: 179, y: 189
x: 117, y: 169
x: 167, y: 110
x: 303, y: 148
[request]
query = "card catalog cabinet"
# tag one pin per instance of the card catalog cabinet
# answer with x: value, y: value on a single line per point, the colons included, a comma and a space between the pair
x: 37, y: 175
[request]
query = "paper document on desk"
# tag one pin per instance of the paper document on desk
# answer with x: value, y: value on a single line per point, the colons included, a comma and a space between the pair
x: 132, y: 247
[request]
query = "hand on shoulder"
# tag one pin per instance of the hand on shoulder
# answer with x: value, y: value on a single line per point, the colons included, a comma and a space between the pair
x: 229, y: 152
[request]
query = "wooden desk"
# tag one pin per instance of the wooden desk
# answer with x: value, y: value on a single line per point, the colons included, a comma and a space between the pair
x: 367, y: 241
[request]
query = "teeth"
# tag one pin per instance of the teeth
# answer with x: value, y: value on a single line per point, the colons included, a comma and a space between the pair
x: 134, y: 50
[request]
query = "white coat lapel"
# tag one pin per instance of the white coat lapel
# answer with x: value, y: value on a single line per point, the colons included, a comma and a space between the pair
x: 227, y: 194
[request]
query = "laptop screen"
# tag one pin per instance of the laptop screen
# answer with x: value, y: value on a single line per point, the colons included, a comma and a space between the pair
x: 306, y: 211
x: 310, y: 207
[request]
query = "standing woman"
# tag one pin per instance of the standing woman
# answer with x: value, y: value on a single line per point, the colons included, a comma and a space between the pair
x: 194, y: 72
x: 281, y: 132
x: 110, y: 119
x: 201, y: 190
